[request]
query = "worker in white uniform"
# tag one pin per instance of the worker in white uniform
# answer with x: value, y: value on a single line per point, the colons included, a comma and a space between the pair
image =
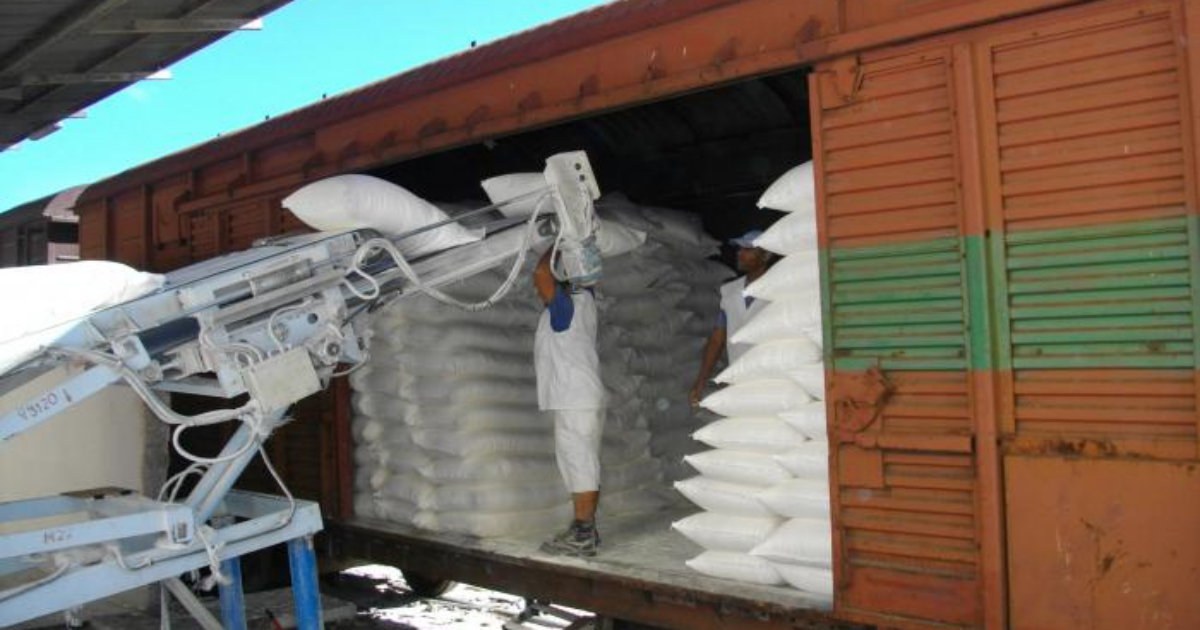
x: 568, y: 384
x: 736, y: 309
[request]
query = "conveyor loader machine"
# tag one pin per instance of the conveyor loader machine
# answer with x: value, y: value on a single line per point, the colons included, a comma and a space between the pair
x: 270, y: 326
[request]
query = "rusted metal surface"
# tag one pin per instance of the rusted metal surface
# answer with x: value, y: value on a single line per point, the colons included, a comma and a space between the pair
x: 615, y: 56
x: 1109, y: 545
x: 976, y: 189
x: 1045, y: 168
x: 610, y: 595
x: 41, y: 232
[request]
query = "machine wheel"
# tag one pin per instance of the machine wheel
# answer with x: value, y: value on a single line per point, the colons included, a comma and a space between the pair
x: 423, y: 585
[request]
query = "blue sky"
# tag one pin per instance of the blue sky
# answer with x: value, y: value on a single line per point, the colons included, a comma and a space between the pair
x: 308, y: 48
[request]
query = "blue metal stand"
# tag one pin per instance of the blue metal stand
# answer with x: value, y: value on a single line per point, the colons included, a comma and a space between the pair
x: 303, y: 562
x: 233, y: 600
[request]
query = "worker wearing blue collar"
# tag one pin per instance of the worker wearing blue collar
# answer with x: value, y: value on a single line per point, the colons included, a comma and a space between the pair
x: 568, y: 384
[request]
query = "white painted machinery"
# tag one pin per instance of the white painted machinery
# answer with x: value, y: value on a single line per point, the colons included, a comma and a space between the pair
x: 264, y: 327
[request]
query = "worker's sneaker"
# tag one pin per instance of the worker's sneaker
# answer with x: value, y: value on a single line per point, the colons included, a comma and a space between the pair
x: 581, y: 539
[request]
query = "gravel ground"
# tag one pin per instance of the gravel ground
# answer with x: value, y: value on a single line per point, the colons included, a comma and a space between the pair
x: 386, y: 603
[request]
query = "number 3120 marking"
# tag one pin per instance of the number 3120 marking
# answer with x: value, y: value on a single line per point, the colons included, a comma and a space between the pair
x: 43, y: 405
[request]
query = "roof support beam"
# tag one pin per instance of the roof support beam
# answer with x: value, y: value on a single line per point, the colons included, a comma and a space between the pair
x: 183, y: 25
x: 81, y: 14
x: 29, y: 101
x: 93, y: 77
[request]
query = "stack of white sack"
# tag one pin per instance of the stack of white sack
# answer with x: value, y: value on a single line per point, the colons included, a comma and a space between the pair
x: 765, y: 486
x: 659, y: 304
x: 448, y: 434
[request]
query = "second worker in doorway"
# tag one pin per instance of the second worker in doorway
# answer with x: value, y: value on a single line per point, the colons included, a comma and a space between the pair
x: 736, y: 309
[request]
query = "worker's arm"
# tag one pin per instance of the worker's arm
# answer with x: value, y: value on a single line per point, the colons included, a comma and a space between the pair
x: 543, y: 278
x: 712, y: 352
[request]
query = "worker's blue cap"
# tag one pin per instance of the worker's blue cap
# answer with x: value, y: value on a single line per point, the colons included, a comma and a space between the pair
x: 746, y: 241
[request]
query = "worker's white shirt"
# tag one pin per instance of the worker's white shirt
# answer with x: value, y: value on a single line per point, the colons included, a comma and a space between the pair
x: 733, y: 303
x: 566, y: 362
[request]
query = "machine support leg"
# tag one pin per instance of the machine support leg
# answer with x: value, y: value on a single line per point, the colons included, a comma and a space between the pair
x: 233, y: 601
x: 196, y: 609
x: 303, y: 562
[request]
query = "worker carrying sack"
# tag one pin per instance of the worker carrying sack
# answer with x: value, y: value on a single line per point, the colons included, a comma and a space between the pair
x: 350, y: 202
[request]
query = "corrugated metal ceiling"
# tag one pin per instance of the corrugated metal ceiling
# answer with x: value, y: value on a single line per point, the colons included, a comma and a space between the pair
x: 59, y: 56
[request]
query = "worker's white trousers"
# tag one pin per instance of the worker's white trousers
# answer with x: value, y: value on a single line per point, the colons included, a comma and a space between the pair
x: 577, y: 434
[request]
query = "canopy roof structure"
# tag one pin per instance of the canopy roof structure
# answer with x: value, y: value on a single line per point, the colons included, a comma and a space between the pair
x: 59, y: 56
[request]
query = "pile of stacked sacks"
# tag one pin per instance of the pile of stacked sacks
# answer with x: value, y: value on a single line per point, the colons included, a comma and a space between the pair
x: 764, y: 486
x: 448, y: 433
x: 657, y: 307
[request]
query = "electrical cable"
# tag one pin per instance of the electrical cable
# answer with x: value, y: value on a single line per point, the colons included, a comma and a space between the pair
x: 156, y: 404
x: 381, y: 244
x: 62, y: 566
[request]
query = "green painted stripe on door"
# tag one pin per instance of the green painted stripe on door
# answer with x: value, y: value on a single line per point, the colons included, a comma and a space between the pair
x: 1113, y: 296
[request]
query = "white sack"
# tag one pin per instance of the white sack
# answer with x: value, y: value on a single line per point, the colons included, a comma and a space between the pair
x: 809, y: 460
x: 738, y: 567
x: 396, y: 510
x: 495, y: 497
x: 407, y: 336
x: 791, y: 277
x: 505, y: 187
x: 752, y: 469
x: 614, y: 239
x: 705, y: 273
x: 465, y: 362
x: 686, y: 228
x: 756, y: 398
x: 617, y: 207
x: 799, y: 541
x: 794, y: 191
x: 795, y: 233
x: 425, y: 310
x: 443, y: 470
x: 761, y: 434
x: 774, y: 359
x: 348, y: 202
x: 722, y: 532
x: 811, y: 379
x: 817, y: 580
x: 629, y: 502
x: 362, y: 477
x: 630, y: 474
x: 632, y: 274
x: 808, y: 420
x: 797, y: 498
x: 364, y: 506
x: 408, y: 487
x: 789, y: 319
x: 476, y: 443
x: 723, y: 497
x: 43, y: 302
x: 495, y: 523
x: 635, y: 311
x: 493, y: 390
